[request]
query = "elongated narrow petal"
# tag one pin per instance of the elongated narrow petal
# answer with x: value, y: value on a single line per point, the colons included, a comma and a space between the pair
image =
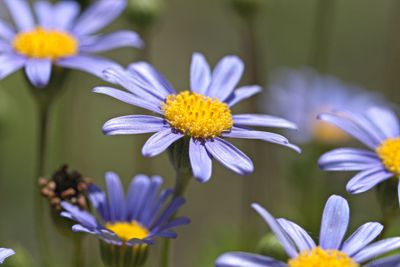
x: 98, y: 200
x: 65, y: 13
x: 159, y: 142
x: 9, y: 63
x: 230, y: 156
x: 6, y: 31
x: 262, y: 120
x: 393, y: 261
x: 137, y: 195
x: 242, y: 259
x: 200, y: 161
x: 335, y: 221
x: 5, y: 253
x: 367, y: 179
x: 21, y: 14
x: 116, y: 197
x: 112, y: 41
x: 98, y: 16
x: 385, y: 120
x: 277, y: 229
x: 38, y: 72
x: 225, y: 77
x: 364, y: 235
x: 299, y: 236
x: 242, y: 93
x: 200, y: 74
x: 348, y: 159
x: 134, y: 124
x: 376, y: 249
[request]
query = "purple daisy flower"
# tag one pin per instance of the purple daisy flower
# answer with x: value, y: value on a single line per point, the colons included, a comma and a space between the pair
x: 324, y: 93
x: 132, y: 220
x: 60, y: 37
x: 202, y: 114
x: 378, y: 128
x: 332, y: 250
x: 5, y: 253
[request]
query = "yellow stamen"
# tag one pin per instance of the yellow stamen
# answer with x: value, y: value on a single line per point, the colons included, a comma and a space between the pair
x: 389, y: 153
x: 318, y: 257
x: 45, y: 43
x: 197, y: 115
x: 127, y: 231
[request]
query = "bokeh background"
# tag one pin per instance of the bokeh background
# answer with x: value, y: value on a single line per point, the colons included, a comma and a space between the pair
x: 356, y: 40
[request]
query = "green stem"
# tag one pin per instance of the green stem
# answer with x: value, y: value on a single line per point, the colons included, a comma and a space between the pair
x: 165, y: 253
x: 78, y: 257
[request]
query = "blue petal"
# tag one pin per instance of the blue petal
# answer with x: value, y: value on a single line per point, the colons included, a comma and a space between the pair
x: 348, y: 159
x: 116, y: 197
x: 262, y: 120
x: 10, y: 63
x: 367, y: 179
x: 59, y: 16
x: 278, y: 231
x: 335, y: 221
x: 299, y: 236
x: 98, y: 15
x: 151, y: 198
x: 21, y: 13
x: 5, y: 253
x: 136, y: 195
x: 167, y: 214
x: 230, y: 156
x: 364, y: 235
x: 151, y: 213
x: 393, y: 261
x: 225, y: 77
x: 6, y: 31
x: 200, y: 161
x: 200, y: 74
x: 112, y: 41
x: 134, y: 124
x: 376, y: 249
x: 159, y: 142
x: 38, y: 72
x: 242, y: 259
x: 385, y: 120
x: 242, y: 93
x: 83, y: 217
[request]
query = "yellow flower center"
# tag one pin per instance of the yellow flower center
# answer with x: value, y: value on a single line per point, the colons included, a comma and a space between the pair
x: 197, y: 115
x: 44, y: 43
x: 127, y: 231
x: 389, y: 153
x: 322, y: 258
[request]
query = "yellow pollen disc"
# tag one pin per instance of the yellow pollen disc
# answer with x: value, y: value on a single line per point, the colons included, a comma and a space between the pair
x: 328, y: 133
x: 127, y: 231
x: 322, y: 258
x: 197, y: 115
x: 389, y: 153
x: 44, y: 43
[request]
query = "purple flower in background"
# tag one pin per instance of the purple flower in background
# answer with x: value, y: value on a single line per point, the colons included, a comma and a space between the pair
x: 5, y: 253
x: 332, y: 251
x: 377, y: 128
x: 145, y: 213
x: 300, y: 95
x: 60, y: 37
x: 202, y: 114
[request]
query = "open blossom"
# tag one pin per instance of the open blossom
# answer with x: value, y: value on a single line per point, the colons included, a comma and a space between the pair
x: 202, y: 115
x: 58, y: 35
x: 332, y: 250
x: 377, y: 128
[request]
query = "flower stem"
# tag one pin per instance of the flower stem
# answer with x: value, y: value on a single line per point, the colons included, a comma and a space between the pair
x: 78, y: 257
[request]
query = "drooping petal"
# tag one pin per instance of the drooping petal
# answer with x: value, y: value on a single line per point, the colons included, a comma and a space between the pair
x: 159, y: 142
x: 364, y: 235
x: 133, y: 124
x: 6, y: 31
x: 5, y: 253
x: 262, y: 120
x: 38, y: 72
x: 116, y: 197
x: 278, y: 231
x: 81, y: 216
x: 21, y: 14
x: 348, y: 159
x: 242, y: 259
x: 10, y: 63
x: 98, y: 15
x: 335, y: 221
x: 91, y: 64
x: 299, y: 236
x: 127, y: 98
x: 242, y: 93
x: 367, y: 179
x: 376, y: 249
x: 230, y: 156
x: 225, y: 77
x: 200, y: 74
x: 112, y: 41
x: 393, y: 261
x: 200, y: 161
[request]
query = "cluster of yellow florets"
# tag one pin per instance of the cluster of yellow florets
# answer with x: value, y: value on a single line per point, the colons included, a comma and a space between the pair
x: 389, y: 153
x: 322, y: 258
x: 126, y: 231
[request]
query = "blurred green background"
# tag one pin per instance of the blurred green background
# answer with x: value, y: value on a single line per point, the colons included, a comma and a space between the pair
x: 360, y: 45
